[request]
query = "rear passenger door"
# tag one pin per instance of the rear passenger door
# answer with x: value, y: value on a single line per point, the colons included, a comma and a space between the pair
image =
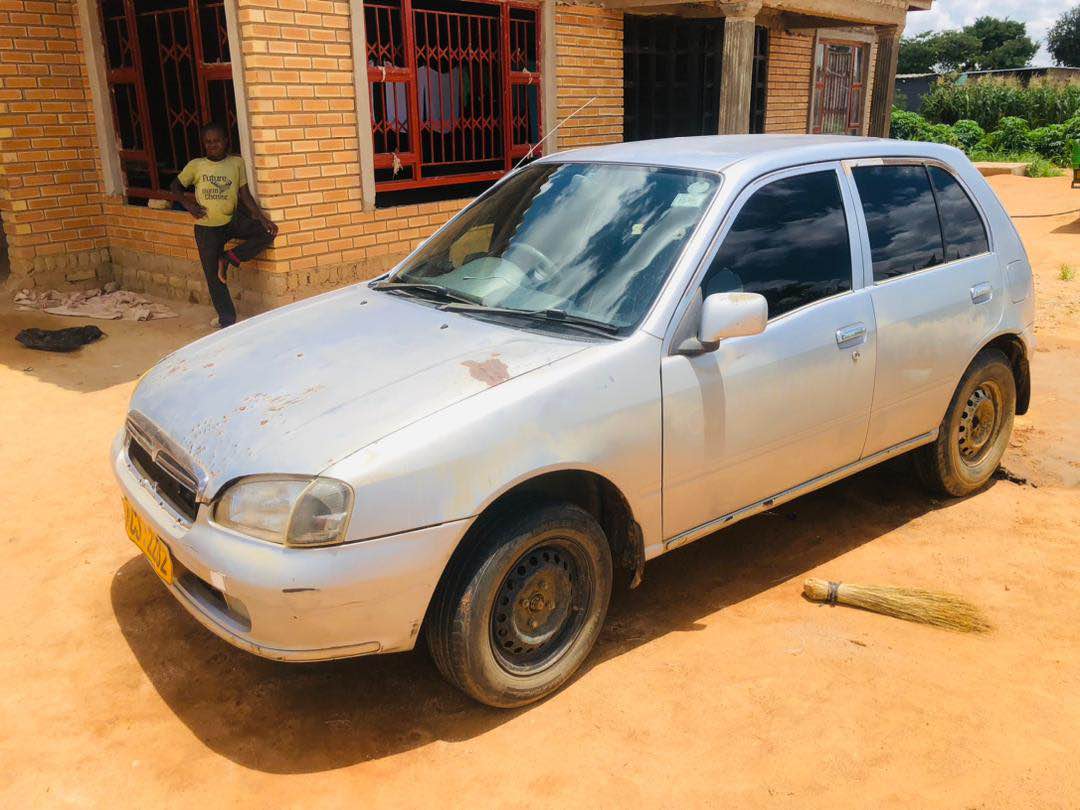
x: 766, y: 412
x: 936, y: 288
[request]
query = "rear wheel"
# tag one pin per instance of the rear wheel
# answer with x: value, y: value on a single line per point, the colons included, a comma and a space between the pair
x: 975, y: 431
x: 520, y: 610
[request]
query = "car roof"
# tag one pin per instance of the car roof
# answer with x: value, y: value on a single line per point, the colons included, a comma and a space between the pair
x: 718, y: 152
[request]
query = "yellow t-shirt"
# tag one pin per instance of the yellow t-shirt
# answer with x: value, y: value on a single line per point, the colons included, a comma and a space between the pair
x: 217, y: 184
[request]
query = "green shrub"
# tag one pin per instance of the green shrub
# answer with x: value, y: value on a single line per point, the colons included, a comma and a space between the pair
x: 1011, y: 135
x: 968, y: 133
x: 939, y: 133
x: 907, y: 126
x: 1072, y: 128
x: 1051, y: 142
x: 1038, y: 166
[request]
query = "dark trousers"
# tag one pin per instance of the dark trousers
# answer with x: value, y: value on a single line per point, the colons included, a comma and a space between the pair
x: 211, y: 242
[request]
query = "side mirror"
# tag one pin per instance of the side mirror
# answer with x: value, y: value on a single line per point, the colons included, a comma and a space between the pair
x: 725, y: 315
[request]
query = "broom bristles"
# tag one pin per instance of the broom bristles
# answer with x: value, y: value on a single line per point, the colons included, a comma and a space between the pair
x: 915, y: 605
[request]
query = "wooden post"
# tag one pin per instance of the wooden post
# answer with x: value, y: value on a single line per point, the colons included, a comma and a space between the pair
x: 737, y: 67
x: 881, y: 95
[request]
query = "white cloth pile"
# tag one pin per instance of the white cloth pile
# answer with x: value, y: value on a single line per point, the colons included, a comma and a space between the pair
x: 110, y: 304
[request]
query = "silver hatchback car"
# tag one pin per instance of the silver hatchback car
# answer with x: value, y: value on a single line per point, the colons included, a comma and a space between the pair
x: 613, y: 352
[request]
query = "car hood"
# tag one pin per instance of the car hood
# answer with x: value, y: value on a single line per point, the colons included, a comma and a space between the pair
x: 298, y: 389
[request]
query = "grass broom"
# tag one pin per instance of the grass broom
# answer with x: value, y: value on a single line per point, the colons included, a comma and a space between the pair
x: 914, y: 605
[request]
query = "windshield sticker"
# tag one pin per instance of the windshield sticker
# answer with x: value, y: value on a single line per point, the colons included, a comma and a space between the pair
x: 688, y: 201
x: 699, y: 187
x: 637, y: 229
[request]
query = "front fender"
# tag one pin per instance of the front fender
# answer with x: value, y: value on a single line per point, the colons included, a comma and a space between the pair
x: 596, y: 411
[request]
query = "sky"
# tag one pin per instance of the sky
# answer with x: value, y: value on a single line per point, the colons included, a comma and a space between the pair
x: 1038, y: 14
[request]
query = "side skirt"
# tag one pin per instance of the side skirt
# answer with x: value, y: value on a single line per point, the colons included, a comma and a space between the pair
x: 690, y: 535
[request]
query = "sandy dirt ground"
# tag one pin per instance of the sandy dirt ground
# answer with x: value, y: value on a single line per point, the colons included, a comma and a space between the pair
x: 713, y: 684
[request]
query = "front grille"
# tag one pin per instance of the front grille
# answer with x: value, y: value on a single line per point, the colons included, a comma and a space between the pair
x: 167, y: 476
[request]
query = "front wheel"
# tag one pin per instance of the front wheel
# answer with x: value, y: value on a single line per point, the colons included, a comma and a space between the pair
x: 520, y: 610
x: 975, y: 430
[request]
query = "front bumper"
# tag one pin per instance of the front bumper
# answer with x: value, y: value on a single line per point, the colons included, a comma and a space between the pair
x: 296, y: 604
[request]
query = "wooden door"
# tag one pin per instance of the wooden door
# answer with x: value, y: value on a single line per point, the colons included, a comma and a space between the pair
x: 839, y: 88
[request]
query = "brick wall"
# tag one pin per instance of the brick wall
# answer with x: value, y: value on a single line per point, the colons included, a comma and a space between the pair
x: 298, y: 74
x: 154, y: 251
x: 589, y: 57
x: 297, y: 67
x: 790, y: 63
x: 50, y: 188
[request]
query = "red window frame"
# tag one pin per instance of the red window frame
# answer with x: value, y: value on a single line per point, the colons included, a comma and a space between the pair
x: 487, y: 104
x: 188, y: 88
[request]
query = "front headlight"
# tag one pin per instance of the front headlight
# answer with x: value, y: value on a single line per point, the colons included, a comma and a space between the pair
x: 295, y: 511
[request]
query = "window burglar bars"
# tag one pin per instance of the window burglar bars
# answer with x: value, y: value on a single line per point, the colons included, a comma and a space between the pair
x: 455, y: 89
x: 176, y: 52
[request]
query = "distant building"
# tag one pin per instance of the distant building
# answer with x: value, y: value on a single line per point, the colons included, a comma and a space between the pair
x: 911, y: 87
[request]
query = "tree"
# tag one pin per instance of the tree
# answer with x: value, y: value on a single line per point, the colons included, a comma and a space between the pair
x: 987, y: 44
x: 1063, y: 39
x: 1003, y: 43
x: 918, y: 54
x: 957, y: 50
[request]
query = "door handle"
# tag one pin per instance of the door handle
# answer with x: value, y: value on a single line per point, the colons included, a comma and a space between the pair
x: 850, y: 335
x: 981, y: 293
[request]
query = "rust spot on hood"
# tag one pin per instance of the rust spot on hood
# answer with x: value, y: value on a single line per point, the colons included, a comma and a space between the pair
x: 490, y: 372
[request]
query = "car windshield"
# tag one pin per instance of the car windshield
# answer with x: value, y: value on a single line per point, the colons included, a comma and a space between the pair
x: 575, y: 241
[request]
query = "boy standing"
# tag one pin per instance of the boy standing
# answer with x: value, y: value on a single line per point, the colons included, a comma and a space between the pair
x: 220, y: 182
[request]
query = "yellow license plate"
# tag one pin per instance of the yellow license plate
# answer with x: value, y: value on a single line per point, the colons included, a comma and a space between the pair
x: 148, y: 542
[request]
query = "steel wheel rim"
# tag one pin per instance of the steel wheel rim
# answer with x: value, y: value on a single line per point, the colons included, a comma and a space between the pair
x: 979, y: 423
x: 541, y: 606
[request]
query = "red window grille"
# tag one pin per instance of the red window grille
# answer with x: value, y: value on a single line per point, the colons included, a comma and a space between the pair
x: 455, y: 89
x: 169, y: 72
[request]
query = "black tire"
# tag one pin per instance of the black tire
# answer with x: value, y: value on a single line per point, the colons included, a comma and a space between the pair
x: 975, y: 431
x: 549, y: 564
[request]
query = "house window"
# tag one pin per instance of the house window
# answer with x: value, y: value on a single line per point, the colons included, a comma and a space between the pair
x: 839, y: 88
x: 169, y: 72
x: 455, y: 91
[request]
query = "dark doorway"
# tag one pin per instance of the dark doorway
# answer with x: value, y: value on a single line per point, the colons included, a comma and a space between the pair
x: 672, y: 74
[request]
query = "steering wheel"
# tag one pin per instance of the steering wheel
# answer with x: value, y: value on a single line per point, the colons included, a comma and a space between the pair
x: 540, y: 273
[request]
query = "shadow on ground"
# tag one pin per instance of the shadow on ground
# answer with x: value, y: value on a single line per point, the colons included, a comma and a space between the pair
x: 302, y: 718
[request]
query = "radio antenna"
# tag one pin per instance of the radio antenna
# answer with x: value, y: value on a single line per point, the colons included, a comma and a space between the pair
x: 554, y: 129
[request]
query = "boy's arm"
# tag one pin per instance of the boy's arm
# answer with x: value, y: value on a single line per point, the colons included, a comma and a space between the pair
x: 179, y: 187
x: 253, y: 207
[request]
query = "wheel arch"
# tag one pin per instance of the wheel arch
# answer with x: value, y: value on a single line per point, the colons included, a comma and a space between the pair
x: 1014, y: 348
x: 591, y: 491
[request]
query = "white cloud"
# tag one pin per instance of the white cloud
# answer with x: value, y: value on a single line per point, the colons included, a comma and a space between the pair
x: 945, y: 14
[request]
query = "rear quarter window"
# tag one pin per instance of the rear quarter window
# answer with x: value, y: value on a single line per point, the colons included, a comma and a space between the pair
x: 961, y: 224
x: 901, y: 219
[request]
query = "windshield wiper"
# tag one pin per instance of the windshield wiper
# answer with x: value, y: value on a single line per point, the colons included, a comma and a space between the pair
x: 433, y: 290
x: 548, y: 315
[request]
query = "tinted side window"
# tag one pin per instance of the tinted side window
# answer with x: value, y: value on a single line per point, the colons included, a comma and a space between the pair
x: 901, y: 219
x: 789, y: 243
x: 964, y: 232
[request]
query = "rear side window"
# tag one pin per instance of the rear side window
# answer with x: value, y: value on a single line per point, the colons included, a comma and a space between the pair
x: 789, y: 243
x: 960, y: 222
x: 901, y: 219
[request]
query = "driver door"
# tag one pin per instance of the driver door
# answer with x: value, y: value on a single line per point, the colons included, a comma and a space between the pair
x: 767, y: 412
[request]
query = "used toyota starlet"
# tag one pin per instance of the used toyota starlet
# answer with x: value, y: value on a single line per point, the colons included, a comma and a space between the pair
x: 613, y: 352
